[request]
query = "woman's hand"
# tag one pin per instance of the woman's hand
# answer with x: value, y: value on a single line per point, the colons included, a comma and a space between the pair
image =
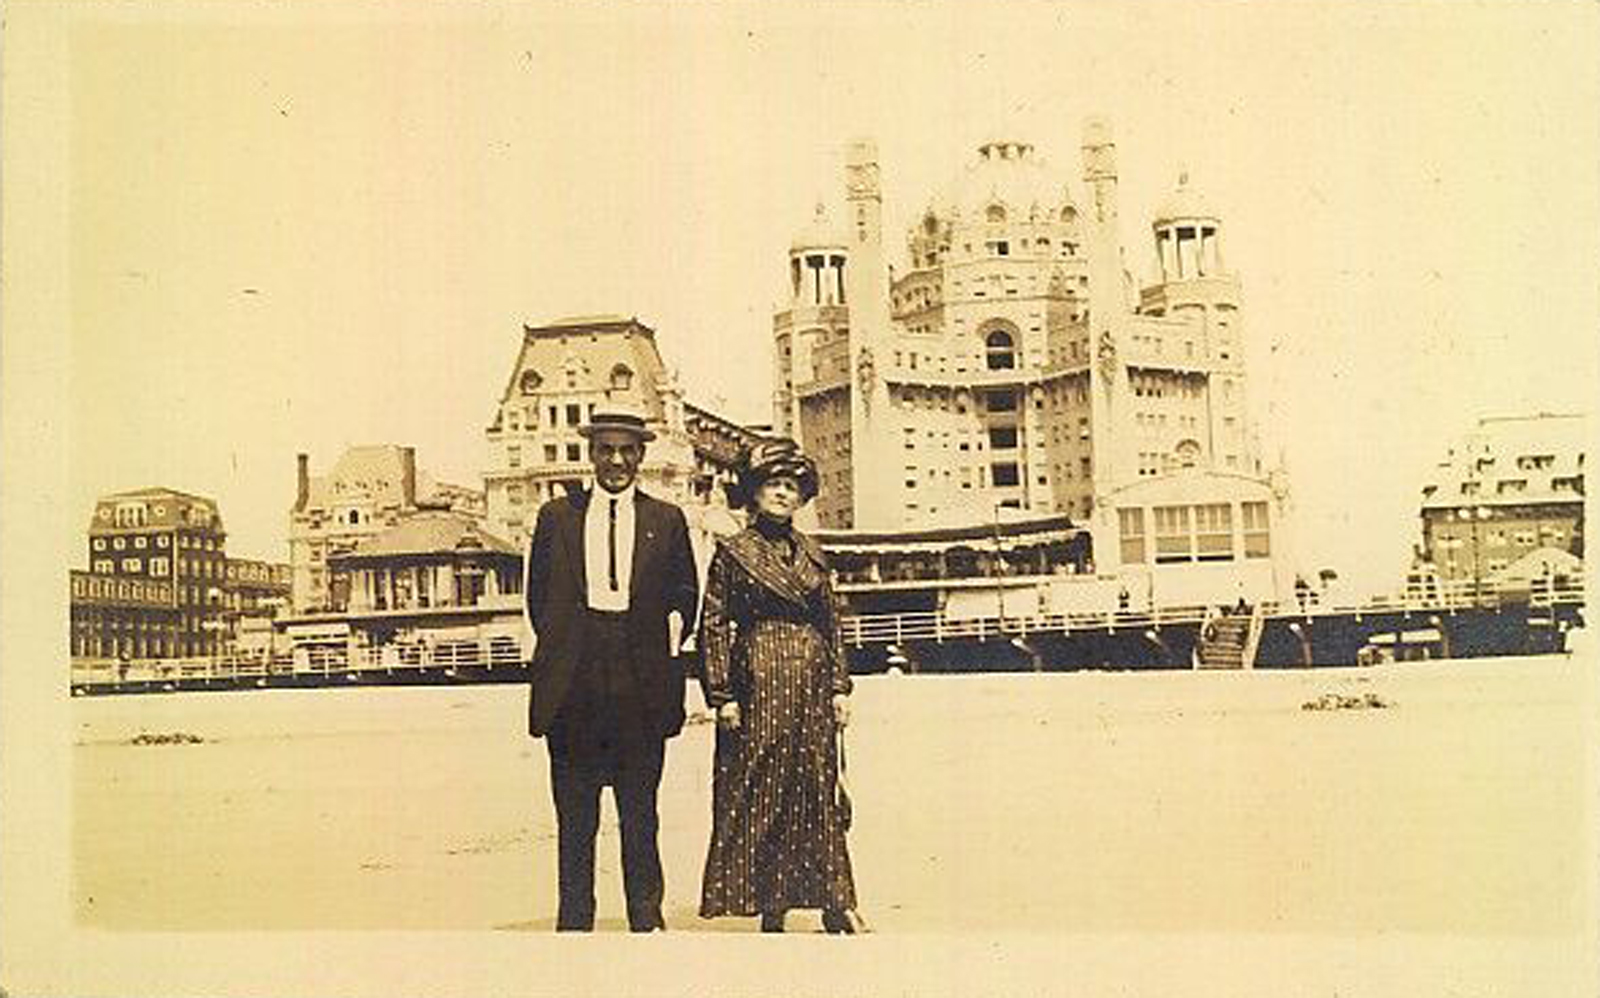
x: 728, y: 716
x: 841, y: 710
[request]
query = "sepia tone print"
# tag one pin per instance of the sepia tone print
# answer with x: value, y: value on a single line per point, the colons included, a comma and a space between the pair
x: 497, y: 464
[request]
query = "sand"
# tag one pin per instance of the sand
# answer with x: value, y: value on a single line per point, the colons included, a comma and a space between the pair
x: 1111, y: 806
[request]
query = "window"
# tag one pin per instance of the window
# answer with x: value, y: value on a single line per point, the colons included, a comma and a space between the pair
x: 1172, y: 534
x: 140, y: 542
x: 1004, y: 474
x: 574, y: 416
x: 572, y: 453
x: 1000, y: 350
x: 622, y: 377
x: 158, y: 566
x: 1131, y: 522
x: 550, y: 453
x: 1002, y: 437
x: 1257, y: 535
x: 1512, y: 485
x: 130, y: 564
x: 513, y: 456
x: 103, y: 566
x: 99, y: 543
x: 530, y: 382
x: 1001, y: 400
x: 118, y: 543
x: 161, y: 541
x: 1213, y: 526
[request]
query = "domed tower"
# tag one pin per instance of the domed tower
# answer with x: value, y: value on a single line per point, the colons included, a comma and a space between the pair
x: 815, y: 316
x: 1195, y: 286
x: 1193, y: 278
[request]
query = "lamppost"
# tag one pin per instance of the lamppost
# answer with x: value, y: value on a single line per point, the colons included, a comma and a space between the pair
x: 994, y: 570
x: 1475, y: 515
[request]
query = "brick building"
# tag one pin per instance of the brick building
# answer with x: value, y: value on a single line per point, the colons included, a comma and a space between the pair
x: 1513, y: 486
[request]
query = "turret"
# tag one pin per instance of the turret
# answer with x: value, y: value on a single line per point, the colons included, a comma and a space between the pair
x: 817, y: 258
x: 1188, y: 235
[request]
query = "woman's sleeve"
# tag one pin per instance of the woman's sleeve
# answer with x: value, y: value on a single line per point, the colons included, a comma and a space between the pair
x: 838, y: 662
x: 716, y: 631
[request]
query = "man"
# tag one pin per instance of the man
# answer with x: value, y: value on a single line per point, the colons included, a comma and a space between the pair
x: 605, y: 570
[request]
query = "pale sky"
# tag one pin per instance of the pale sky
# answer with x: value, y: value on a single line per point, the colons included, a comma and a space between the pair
x: 291, y: 230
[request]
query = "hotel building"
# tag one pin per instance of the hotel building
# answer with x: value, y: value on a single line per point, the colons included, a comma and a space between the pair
x: 1013, y: 368
x: 1509, y: 493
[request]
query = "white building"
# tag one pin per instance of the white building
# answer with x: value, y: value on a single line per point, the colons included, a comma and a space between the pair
x: 1015, y: 364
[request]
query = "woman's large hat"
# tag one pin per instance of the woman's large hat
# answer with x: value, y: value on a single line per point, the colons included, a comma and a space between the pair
x: 767, y: 459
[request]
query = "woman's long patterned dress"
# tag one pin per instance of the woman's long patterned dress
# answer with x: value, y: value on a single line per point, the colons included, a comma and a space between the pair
x: 771, y: 640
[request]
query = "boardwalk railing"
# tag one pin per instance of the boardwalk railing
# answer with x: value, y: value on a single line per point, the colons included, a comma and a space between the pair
x: 309, y: 663
x: 322, y: 663
x: 898, y: 628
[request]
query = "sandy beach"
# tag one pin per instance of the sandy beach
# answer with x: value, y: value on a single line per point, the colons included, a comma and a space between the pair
x: 1081, y: 803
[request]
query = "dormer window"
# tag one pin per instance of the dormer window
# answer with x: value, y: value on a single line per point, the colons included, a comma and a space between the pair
x: 995, y: 213
x: 621, y: 378
x: 530, y: 382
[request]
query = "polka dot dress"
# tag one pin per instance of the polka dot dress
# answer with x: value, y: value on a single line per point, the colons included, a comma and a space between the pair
x: 770, y: 634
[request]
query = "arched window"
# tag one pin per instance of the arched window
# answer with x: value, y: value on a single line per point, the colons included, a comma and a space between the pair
x: 531, y: 382
x: 995, y: 213
x: 621, y: 378
x: 1001, y: 350
x: 1188, y: 453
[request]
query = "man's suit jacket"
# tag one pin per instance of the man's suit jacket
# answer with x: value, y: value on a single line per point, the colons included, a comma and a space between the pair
x: 663, y: 580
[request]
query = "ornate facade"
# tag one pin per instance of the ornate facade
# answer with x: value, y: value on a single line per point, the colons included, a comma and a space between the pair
x: 564, y: 371
x: 1015, y: 364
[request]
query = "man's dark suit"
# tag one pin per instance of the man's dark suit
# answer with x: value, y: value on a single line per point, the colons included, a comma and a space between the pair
x: 607, y: 692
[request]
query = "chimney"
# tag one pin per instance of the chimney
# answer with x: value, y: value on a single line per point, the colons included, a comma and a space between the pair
x: 408, y: 477
x: 302, y: 482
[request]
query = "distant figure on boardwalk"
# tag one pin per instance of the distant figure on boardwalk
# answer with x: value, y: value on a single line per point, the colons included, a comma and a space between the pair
x: 605, y: 570
x: 776, y: 676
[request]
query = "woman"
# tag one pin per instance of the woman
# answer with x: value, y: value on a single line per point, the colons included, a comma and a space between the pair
x: 775, y: 675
